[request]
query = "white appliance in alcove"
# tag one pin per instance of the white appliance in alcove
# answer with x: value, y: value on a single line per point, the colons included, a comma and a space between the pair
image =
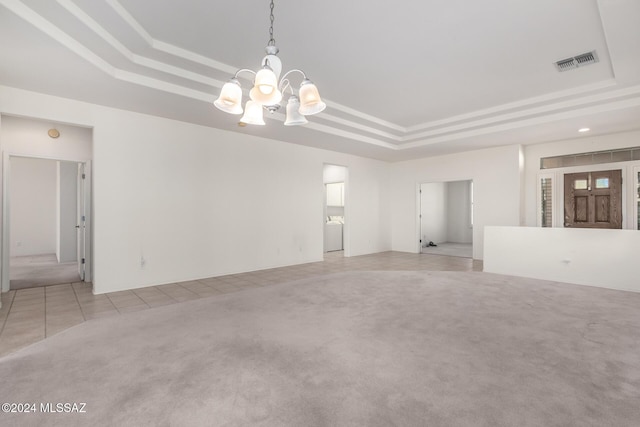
x: 334, y: 211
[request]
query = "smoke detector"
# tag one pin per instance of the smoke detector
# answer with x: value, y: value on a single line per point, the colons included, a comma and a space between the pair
x: 577, y: 61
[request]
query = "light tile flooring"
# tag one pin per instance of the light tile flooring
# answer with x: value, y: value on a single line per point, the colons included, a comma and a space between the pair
x: 450, y: 249
x: 31, y: 315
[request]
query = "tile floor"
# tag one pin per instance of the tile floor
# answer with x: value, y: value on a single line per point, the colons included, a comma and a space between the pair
x: 31, y: 315
x: 450, y: 249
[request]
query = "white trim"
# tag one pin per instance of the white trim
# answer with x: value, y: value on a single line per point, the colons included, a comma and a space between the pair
x: 614, y: 96
x: 635, y: 196
x: 561, y: 115
x: 471, y: 206
x: 419, y: 211
x: 166, y: 47
x: 4, y: 247
x: 419, y: 215
x: 136, y: 59
x: 518, y: 104
x: 346, y: 235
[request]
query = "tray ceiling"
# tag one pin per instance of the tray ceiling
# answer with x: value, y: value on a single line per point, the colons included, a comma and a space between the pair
x: 401, y: 79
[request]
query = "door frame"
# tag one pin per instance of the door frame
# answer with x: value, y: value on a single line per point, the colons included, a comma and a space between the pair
x: 81, y: 220
x: 346, y: 240
x: 591, y: 193
x: 5, y: 245
x: 418, y: 225
x: 558, y: 189
x: 636, y: 210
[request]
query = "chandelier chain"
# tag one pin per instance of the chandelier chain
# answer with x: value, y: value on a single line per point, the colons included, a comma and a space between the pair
x: 272, y: 41
x: 268, y: 89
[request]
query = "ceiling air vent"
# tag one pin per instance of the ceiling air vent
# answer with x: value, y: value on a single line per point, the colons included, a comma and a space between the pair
x: 577, y: 61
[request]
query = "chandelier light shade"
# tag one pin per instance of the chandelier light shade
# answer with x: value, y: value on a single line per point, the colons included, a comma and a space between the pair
x: 268, y: 89
x: 266, y: 81
x: 230, y: 99
x: 253, y: 114
x: 310, y: 102
x: 294, y: 118
x: 271, y: 98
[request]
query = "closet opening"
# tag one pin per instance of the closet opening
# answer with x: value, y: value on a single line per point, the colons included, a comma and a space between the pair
x: 446, y: 218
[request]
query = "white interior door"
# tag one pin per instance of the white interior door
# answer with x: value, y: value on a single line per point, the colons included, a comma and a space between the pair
x: 81, y: 221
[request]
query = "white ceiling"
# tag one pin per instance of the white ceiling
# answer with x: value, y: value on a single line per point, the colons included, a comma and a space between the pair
x: 402, y: 79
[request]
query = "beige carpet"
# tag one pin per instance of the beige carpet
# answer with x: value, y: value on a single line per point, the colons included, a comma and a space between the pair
x: 41, y: 270
x: 351, y: 349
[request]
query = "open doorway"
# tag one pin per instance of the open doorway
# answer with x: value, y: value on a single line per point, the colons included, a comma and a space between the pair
x: 446, y: 218
x: 46, y: 226
x: 46, y: 203
x: 334, y: 178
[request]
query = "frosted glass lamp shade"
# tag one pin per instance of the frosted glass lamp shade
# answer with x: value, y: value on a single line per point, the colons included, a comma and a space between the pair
x: 253, y: 114
x: 230, y: 98
x: 266, y: 81
x: 294, y: 117
x: 310, y: 102
x: 271, y: 99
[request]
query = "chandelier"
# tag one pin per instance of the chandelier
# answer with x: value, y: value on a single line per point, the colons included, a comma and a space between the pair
x: 268, y: 89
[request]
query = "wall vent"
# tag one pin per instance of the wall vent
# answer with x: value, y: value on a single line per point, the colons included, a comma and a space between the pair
x: 577, y: 61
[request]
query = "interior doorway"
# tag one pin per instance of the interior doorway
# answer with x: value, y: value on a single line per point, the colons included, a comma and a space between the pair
x: 62, y: 153
x: 446, y: 218
x: 334, y: 214
x: 46, y: 222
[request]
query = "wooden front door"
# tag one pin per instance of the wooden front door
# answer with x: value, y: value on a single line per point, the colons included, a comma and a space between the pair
x: 593, y: 199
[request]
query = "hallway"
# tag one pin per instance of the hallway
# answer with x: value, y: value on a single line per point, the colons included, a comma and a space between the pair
x: 41, y: 270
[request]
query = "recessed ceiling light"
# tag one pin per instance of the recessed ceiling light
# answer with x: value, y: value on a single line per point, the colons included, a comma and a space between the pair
x: 584, y: 130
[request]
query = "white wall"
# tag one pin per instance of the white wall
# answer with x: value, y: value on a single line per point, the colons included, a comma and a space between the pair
x: 66, y: 222
x: 496, y: 178
x: 459, y: 212
x: 198, y: 202
x: 23, y: 136
x: 433, y: 205
x: 334, y: 173
x: 595, y: 257
x: 33, y: 206
x: 533, y: 154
